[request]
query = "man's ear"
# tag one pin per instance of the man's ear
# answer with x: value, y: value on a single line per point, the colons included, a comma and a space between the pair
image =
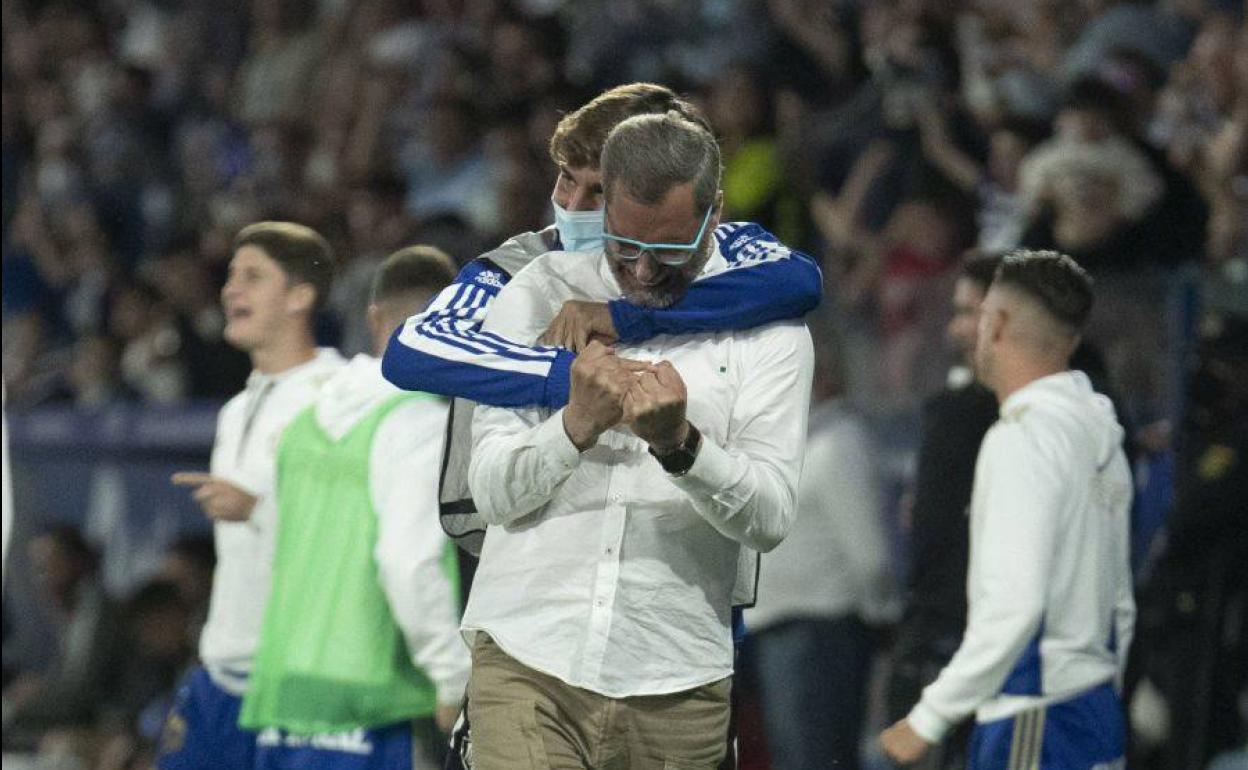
x: 995, y: 321
x: 1075, y: 341
x: 376, y: 321
x: 301, y: 298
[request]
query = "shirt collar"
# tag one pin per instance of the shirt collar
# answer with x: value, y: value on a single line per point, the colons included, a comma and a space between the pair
x: 258, y: 379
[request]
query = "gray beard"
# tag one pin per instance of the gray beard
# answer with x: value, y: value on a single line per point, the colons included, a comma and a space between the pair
x: 657, y: 300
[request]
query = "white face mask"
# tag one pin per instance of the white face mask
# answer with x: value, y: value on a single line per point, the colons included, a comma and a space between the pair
x: 578, y: 230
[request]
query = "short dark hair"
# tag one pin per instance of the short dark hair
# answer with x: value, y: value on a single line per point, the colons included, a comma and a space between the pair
x: 415, y: 268
x: 1054, y: 280
x: 1031, y: 130
x: 303, y: 253
x: 579, y: 138
x: 1091, y: 94
x: 980, y: 267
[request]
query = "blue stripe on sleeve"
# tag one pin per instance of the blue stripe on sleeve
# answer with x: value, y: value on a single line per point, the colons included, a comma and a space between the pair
x: 412, y: 369
x: 765, y: 282
x: 444, y: 351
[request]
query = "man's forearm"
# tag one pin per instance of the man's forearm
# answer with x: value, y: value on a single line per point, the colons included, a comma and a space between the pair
x: 744, y: 499
x: 516, y: 467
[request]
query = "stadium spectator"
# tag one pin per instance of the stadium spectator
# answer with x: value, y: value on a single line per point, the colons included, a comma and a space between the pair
x: 157, y: 631
x: 756, y: 188
x: 953, y: 423
x: 449, y: 171
x: 155, y: 628
x: 1001, y: 216
x: 151, y: 363
x: 821, y: 589
x: 188, y: 565
x: 93, y: 379
x: 1193, y: 639
x: 62, y: 680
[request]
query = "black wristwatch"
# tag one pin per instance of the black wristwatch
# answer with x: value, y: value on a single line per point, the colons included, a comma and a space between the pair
x: 678, y: 461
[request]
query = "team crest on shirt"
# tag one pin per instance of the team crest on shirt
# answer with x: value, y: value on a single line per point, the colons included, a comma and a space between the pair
x: 173, y: 735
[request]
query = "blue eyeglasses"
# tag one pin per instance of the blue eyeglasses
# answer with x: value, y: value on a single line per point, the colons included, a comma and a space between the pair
x: 669, y: 254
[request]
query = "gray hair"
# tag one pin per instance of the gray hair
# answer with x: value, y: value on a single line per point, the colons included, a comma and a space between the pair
x: 651, y: 154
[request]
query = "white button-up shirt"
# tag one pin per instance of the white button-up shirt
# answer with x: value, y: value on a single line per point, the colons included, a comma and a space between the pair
x: 600, y: 568
x: 244, y: 453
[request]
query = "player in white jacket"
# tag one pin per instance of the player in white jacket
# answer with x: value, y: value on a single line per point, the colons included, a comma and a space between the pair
x: 1051, y: 612
x: 362, y: 566
x: 278, y: 277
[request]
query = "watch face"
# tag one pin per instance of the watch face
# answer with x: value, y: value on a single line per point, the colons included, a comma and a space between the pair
x: 679, y: 461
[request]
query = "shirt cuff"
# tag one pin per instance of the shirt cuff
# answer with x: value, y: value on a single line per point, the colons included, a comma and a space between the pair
x: 714, y: 472
x: 553, y: 442
x: 559, y: 380
x: 929, y: 725
x: 450, y: 689
x: 632, y: 323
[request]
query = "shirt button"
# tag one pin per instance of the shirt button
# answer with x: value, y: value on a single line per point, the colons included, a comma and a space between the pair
x: 610, y: 551
x: 599, y: 603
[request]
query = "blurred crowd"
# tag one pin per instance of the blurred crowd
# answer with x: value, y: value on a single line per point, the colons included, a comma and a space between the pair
x: 886, y: 138
x: 90, y: 682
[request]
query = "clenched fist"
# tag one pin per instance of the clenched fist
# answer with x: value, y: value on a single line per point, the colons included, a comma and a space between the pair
x: 654, y: 407
x: 579, y: 322
x: 600, y: 380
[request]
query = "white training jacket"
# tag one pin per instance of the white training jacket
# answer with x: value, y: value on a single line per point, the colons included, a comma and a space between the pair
x: 244, y: 453
x: 403, y: 472
x: 1049, y: 584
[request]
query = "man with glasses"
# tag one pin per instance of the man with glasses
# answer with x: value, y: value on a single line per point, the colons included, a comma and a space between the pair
x: 444, y: 351
x: 601, y: 609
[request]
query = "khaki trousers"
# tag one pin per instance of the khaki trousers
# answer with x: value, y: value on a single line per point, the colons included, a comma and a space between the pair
x: 522, y: 719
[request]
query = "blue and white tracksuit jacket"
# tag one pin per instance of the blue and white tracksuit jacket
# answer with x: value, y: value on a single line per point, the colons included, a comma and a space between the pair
x: 444, y: 351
